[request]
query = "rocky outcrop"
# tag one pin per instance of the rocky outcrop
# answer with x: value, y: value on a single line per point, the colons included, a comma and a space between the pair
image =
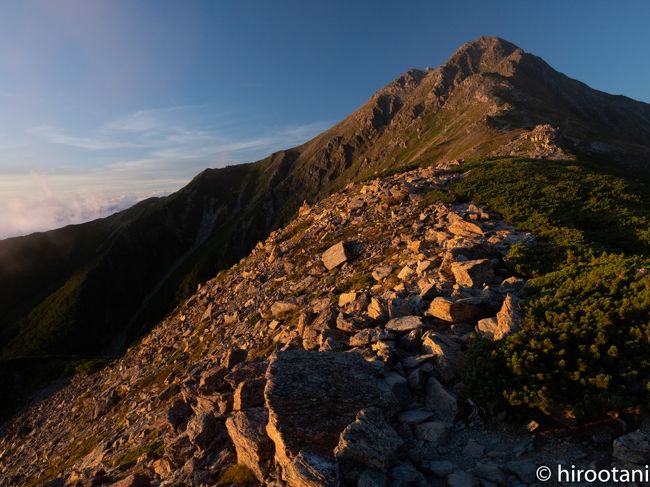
x: 307, y: 374
x: 247, y: 430
x: 309, y: 403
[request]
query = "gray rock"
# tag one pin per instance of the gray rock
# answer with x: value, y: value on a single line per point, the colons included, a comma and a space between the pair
x: 369, y: 441
x: 282, y: 309
x: 489, y: 472
x: 212, y: 380
x: 459, y: 311
x: 233, y: 357
x: 313, y: 396
x: 404, y: 323
x: 473, y: 273
x: 336, y: 255
x: 508, y: 318
x: 440, y: 469
x: 439, y: 400
x: 178, y: 413
x: 369, y: 335
x: 398, y: 386
x: 633, y: 447
x: 432, y: 431
x: 406, y: 475
x: 372, y: 478
x: 449, y: 357
x: 415, y: 416
x: 462, y: 479
x: 382, y: 272
x: 525, y: 470
x: 473, y: 449
x: 202, y: 429
x: 254, y: 448
x: 249, y: 394
x: 308, y: 469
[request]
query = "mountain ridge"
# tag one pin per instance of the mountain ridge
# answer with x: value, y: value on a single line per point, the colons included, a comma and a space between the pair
x: 487, y: 99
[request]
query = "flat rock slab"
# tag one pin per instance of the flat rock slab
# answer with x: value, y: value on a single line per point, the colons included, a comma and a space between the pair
x: 312, y: 396
x: 336, y: 255
x: 404, y: 323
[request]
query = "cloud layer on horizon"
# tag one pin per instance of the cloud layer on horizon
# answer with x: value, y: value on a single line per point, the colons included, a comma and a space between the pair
x: 145, y: 153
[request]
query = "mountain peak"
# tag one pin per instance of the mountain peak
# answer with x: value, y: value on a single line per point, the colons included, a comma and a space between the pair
x: 484, y: 55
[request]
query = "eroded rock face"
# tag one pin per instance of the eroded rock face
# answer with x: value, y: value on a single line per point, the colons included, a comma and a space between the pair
x: 247, y: 430
x: 368, y: 442
x: 312, y: 397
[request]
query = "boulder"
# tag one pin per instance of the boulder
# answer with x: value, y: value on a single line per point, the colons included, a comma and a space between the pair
x: 233, y: 357
x: 382, y: 272
x: 336, y: 255
x: 461, y: 227
x: 487, y: 327
x: 405, y: 273
x: 432, y: 431
x: 309, y: 404
x: 508, y: 318
x: 133, y: 480
x: 178, y: 413
x: 462, y: 479
x: 211, y: 380
x: 282, y: 309
x: 633, y: 447
x: 249, y: 394
x: 376, y: 309
x: 370, y: 335
x: 449, y: 357
x: 179, y: 450
x: 308, y: 469
x: 254, y: 448
x: 473, y: 273
x: 404, y: 323
x: 347, y: 298
x: 311, y: 333
x: 440, y: 401
x: 202, y: 429
x: 369, y: 441
x: 459, y: 311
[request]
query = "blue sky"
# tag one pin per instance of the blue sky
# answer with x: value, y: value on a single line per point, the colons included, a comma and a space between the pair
x: 106, y: 102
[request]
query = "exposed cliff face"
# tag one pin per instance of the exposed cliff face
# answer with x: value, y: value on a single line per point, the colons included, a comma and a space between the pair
x: 88, y: 289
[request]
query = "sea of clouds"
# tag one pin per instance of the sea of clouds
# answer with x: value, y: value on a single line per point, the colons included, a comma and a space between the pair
x: 22, y: 215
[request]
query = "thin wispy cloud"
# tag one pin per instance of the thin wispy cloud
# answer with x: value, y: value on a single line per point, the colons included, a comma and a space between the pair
x: 144, y: 153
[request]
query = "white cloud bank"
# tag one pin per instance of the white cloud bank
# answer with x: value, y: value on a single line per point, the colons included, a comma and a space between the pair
x: 22, y: 216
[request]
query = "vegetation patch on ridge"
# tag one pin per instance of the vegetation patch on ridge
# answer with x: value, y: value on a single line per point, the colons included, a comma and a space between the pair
x: 584, y: 346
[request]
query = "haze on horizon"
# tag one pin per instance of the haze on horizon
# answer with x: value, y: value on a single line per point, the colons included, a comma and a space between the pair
x: 105, y: 103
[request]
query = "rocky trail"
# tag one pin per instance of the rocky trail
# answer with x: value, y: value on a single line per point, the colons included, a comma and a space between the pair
x: 332, y: 355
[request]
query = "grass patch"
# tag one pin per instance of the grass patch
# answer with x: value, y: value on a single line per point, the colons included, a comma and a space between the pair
x: 155, y: 448
x: 357, y: 281
x: 436, y: 196
x: 238, y: 475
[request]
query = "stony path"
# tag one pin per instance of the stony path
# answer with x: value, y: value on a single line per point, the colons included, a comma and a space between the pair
x: 333, y: 353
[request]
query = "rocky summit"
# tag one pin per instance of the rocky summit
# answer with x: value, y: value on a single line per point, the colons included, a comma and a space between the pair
x: 329, y: 356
